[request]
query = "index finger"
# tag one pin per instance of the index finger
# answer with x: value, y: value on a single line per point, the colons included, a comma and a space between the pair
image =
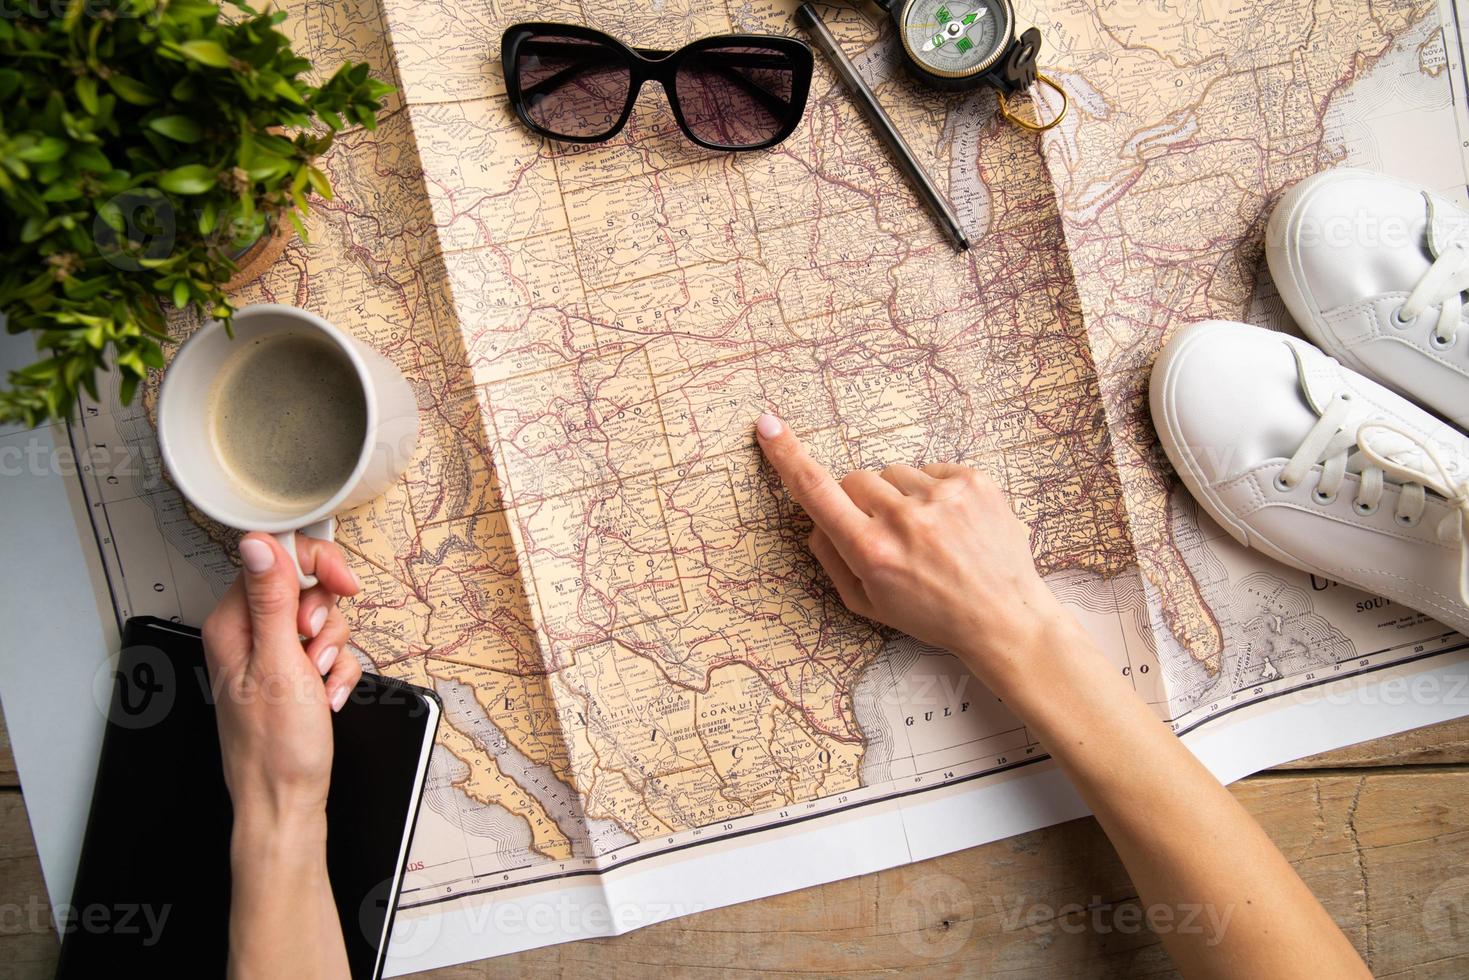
x: 809, y: 484
x: 326, y: 561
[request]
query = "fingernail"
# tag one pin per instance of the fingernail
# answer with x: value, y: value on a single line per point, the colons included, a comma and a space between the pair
x: 317, y: 621
x: 257, y: 555
x: 324, y: 659
x: 339, y: 698
x: 355, y: 580
x: 768, y: 426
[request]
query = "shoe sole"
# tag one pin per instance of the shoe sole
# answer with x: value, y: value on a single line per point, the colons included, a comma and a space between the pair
x: 1160, y: 403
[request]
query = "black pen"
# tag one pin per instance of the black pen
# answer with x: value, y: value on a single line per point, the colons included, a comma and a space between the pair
x: 810, y: 20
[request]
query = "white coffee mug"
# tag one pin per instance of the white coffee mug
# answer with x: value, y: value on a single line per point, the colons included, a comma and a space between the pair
x: 193, y: 462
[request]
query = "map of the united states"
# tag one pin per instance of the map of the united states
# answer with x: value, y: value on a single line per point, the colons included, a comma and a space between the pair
x: 587, y: 551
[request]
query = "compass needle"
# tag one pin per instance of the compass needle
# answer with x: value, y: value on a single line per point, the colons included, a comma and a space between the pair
x: 954, y: 40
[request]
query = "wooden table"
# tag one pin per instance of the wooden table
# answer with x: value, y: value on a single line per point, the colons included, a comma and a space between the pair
x: 1380, y: 831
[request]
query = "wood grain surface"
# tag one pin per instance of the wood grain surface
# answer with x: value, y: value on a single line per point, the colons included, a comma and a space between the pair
x: 1380, y: 831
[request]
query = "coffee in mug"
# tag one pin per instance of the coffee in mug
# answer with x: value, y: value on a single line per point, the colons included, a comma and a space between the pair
x: 288, y: 389
x: 283, y: 425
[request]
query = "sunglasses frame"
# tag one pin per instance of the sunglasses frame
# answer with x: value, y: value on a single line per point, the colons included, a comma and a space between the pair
x: 649, y: 64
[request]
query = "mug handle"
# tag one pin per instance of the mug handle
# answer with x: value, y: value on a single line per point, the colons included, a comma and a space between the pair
x: 323, y: 530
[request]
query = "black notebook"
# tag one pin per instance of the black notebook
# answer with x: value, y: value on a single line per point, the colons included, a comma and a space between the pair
x: 153, y: 884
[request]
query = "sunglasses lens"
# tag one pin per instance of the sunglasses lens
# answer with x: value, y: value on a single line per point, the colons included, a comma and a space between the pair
x: 572, y: 86
x: 738, y: 95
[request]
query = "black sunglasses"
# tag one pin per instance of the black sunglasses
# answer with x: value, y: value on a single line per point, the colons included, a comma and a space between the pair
x: 731, y: 92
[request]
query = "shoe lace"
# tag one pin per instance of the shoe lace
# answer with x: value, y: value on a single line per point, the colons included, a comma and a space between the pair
x: 1383, y: 452
x: 1442, y: 286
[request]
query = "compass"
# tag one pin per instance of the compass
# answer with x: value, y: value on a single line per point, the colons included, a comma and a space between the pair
x: 963, y: 44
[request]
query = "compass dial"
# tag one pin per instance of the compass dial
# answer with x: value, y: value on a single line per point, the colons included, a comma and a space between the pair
x: 955, y: 38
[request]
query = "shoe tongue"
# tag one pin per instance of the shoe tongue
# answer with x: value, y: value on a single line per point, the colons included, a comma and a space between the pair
x: 1321, y: 378
x: 1448, y: 225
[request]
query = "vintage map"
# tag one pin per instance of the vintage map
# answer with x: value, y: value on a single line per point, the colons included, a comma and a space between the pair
x: 587, y: 559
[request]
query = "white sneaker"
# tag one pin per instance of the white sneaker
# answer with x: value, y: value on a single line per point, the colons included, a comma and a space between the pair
x: 1372, y: 269
x: 1317, y: 466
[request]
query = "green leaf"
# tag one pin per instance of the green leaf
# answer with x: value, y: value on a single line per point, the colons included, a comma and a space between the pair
x: 128, y: 387
x: 195, y: 178
x: 47, y: 150
x: 66, y: 190
x: 33, y: 290
x: 87, y: 93
x: 279, y: 145
x: 265, y: 166
x: 181, y: 293
x: 188, y: 10
x: 299, y: 225
x: 59, y: 400
x: 179, y: 128
x: 298, y: 184
x: 210, y: 53
x: 287, y: 91
x: 91, y: 158
x: 85, y: 289
x: 41, y: 370
x: 106, y: 103
x: 319, y: 183
x: 131, y: 90
x: 112, y: 216
x: 10, y: 80
x: 113, y: 181
x: 184, y: 89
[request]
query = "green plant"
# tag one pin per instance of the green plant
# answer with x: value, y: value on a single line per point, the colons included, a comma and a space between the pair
x: 143, y: 143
